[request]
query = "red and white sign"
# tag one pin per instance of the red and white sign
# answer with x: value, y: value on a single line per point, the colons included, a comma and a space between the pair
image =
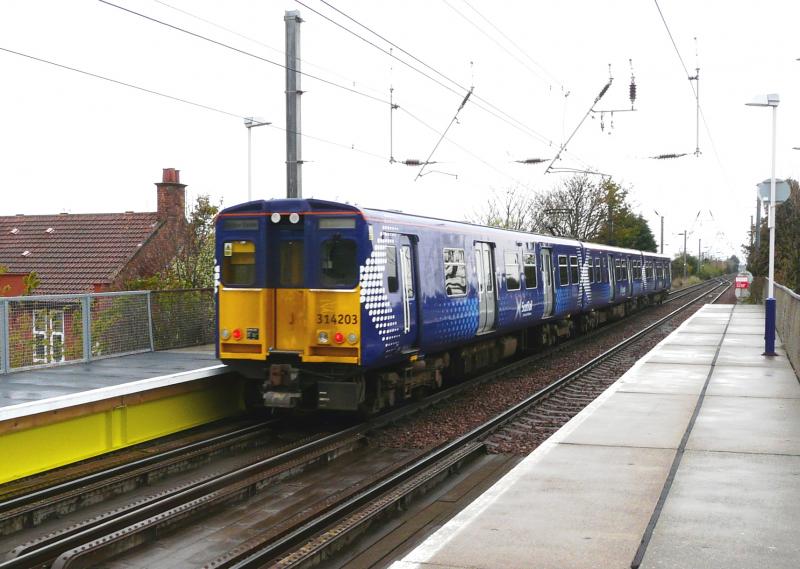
x: 741, y: 282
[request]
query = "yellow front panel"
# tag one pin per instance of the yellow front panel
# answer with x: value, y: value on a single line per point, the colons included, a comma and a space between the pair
x: 243, y: 309
x: 302, y: 314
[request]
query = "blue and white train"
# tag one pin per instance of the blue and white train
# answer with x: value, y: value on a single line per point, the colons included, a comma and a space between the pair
x: 325, y: 305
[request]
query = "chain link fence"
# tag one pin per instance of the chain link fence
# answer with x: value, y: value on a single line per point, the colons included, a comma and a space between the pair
x: 43, y: 331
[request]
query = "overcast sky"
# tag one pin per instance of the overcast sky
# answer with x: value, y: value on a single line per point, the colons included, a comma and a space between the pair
x: 74, y: 143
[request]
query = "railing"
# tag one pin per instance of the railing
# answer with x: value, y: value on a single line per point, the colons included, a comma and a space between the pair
x: 50, y: 330
x: 787, y: 309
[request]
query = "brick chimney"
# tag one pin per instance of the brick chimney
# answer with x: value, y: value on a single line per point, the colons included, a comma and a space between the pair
x: 171, y: 196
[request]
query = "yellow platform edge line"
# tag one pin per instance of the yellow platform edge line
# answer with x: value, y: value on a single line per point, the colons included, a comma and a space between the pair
x: 38, y: 444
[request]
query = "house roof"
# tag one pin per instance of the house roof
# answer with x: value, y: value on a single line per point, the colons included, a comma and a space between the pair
x: 73, y: 252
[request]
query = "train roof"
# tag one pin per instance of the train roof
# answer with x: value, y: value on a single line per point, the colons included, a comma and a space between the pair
x: 288, y: 205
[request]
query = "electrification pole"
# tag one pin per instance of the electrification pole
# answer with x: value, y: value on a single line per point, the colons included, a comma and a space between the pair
x: 294, y: 162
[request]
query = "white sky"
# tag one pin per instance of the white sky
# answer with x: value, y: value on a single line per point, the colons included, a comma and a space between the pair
x: 73, y: 143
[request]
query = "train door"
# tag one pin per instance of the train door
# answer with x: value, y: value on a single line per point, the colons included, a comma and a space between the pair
x: 487, y: 291
x: 612, y: 277
x: 630, y: 276
x: 547, y: 279
x: 408, y: 290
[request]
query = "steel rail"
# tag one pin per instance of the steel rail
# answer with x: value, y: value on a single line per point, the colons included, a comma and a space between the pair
x: 440, y: 453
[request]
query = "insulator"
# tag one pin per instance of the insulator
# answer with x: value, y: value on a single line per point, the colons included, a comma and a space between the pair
x: 632, y: 91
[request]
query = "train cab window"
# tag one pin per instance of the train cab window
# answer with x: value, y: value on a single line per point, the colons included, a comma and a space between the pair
x: 512, y: 270
x: 290, y: 256
x: 529, y: 265
x: 239, y: 263
x: 338, y: 261
x: 590, y: 265
x: 597, y: 270
x: 573, y: 270
x: 563, y: 271
x: 391, y: 269
x: 455, y: 272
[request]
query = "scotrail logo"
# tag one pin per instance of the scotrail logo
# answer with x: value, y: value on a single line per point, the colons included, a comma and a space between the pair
x: 524, y: 308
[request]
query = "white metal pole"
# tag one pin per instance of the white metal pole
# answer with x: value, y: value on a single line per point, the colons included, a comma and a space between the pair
x: 249, y: 164
x: 771, y: 289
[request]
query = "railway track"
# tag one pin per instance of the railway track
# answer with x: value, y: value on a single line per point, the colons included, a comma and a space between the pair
x: 302, y: 537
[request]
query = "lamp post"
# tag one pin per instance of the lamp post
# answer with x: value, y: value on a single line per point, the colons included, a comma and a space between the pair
x: 249, y: 123
x: 771, y: 100
x: 662, y: 230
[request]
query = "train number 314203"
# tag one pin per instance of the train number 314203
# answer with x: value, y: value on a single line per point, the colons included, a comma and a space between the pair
x: 337, y: 319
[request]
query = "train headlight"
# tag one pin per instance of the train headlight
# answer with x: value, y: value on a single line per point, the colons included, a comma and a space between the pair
x: 275, y: 217
x: 294, y: 217
x: 352, y: 338
x: 225, y: 334
x: 237, y: 334
x: 338, y: 337
x: 322, y: 337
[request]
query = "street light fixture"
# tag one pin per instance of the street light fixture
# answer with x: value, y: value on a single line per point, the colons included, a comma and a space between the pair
x: 771, y: 100
x: 250, y: 123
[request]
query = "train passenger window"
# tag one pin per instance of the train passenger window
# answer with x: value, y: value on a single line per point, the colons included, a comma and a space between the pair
x: 573, y: 269
x: 391, y: 269
x: 512, y: 270
x: 597, y: 272
x: 338, y: 262
x: 589, y: 264
x: 290, y: 256
x: 529, y: 262
x: 455, y: 272
x: 617, y: 270
x: 239, y: 263
x: 563, y: 271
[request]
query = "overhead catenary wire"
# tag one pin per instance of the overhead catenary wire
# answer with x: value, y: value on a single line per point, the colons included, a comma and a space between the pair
x: 180, y: 100
x: 244, y: 52
x: 454, y: 119
x: 514, y: 56
x: 458, y: 88
x: 280, y: 51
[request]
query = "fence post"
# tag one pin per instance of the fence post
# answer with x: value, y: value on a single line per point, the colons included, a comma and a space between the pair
x: 4, y: 337
x: 86, y: 302
x: 150, y: 319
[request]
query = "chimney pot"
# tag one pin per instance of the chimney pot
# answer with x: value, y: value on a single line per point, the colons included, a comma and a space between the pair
x: 171, y: 176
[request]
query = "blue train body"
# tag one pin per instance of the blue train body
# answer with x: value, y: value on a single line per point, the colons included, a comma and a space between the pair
x: 428, y: 297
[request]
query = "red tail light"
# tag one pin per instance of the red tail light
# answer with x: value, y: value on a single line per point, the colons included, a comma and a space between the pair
x: 338, y: 337
x: 237, y: 334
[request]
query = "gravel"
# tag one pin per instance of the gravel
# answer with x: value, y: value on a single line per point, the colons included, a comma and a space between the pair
x: 475, y: 405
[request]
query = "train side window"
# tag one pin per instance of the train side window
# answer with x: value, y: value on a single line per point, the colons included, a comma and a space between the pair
x: 391, y: 269
x: 239, y: 263
x: 455, y: 272
x: 338, y: 261
x: 617, y: 270
x: 597, y: 272
x: 590, y: 270
x: 563, y: 271
x: 290, y: 255
x: 529, y: 262
x: 573, y: 269
x: 512, y: 270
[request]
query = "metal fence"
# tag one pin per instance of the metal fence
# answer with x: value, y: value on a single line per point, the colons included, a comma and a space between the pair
x: 787, y: 308
x: 49, y: 330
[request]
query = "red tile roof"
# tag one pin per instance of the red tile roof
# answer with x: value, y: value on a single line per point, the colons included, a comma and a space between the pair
x: 73, y: 252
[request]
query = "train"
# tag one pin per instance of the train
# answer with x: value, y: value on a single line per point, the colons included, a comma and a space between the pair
x: 329, y: 306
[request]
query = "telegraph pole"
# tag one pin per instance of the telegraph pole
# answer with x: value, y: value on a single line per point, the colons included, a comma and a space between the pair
x: 294, y: 162
x: 699, y: 257
x: 684, y: 253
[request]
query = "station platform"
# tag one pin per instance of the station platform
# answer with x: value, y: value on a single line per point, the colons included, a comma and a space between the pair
x: 690, y: 460
x: 50, y: 417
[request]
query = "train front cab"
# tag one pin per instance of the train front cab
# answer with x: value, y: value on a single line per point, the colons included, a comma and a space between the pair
x: 288, y: 294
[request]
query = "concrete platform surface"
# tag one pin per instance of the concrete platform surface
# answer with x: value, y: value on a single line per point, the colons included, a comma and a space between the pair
x: 45, y: 389
x: 703, y: 406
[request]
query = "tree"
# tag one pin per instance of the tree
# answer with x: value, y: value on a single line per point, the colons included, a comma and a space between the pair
x: 627, y: 229
x: 193, y: 265
x: 511, y: 209
x: 575, y: 208
x: 787, y: 242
